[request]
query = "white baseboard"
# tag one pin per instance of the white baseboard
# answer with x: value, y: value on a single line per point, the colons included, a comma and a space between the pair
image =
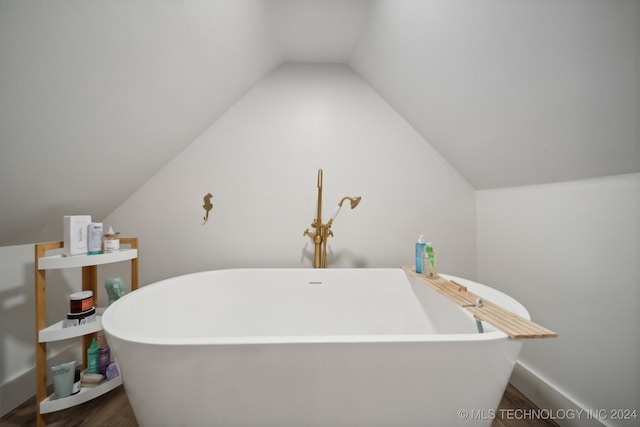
x: 17, y: 391
x: 562, y: 409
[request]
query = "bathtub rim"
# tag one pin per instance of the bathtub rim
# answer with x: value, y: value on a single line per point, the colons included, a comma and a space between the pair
x: 481, y: 290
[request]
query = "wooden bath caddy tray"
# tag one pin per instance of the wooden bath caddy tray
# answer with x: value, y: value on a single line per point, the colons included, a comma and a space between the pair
x: 513, y: 325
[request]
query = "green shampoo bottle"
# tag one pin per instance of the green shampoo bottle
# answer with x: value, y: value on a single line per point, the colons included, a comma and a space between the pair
x: 92, y: 357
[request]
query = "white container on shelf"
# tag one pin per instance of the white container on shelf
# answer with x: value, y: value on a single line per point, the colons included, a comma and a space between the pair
x: 75, y: 234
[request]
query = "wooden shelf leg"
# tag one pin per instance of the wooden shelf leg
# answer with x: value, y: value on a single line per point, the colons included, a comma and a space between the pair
x: 133, y: 242
x: 41, y: 348
x: 89, y: 283
x: 41, y: 382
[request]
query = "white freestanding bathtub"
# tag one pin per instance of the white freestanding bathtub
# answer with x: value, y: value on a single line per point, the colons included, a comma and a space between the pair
x: 307, y: 347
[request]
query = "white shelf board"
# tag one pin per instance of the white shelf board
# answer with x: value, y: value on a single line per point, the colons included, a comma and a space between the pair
x: 51, y: 404
x: 59, y: 261
x: 57, y: 332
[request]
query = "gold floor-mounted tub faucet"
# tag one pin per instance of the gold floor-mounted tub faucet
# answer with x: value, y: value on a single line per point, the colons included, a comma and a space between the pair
x: 323, y: 231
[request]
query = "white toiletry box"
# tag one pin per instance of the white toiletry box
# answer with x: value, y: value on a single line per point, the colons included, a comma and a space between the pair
x: 75, y: 234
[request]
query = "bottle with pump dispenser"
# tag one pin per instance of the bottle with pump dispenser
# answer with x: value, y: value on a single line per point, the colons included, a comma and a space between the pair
x: 111, y: 241
x: 429, y: 262
x: 420, y: 248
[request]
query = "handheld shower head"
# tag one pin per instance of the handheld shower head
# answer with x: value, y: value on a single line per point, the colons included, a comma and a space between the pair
x: 354, y: 202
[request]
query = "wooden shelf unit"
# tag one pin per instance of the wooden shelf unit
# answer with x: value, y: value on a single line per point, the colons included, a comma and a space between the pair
x: 55, y: 332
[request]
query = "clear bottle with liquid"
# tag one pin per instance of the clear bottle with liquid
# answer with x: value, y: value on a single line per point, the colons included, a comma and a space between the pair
x: 429, y: 262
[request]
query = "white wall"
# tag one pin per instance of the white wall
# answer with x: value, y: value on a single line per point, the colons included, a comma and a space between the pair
x: 17, y: 325
x: 17, y: 322
x: 260, y: 160
x: 570, y: 253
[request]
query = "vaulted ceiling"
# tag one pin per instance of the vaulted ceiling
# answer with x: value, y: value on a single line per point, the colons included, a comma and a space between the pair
x: 97, y: 96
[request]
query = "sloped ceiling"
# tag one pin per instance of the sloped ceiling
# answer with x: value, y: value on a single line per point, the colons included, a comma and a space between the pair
x: 96, y: 96
x: 512, y: 92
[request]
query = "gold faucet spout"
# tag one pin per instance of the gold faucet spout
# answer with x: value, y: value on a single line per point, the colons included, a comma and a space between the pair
x: 319, y: 203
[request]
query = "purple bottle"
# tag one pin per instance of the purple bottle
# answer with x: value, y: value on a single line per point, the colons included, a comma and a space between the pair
x: 104, y: 355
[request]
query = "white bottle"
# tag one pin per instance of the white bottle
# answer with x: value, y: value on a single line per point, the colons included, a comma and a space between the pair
x: 111, y: 241
x: 94, y: 236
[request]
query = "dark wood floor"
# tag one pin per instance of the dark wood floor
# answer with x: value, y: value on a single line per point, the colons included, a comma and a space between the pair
x: 113, y: 409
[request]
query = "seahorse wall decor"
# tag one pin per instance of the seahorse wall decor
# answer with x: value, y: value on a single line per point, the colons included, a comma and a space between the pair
x: 207, y: 207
